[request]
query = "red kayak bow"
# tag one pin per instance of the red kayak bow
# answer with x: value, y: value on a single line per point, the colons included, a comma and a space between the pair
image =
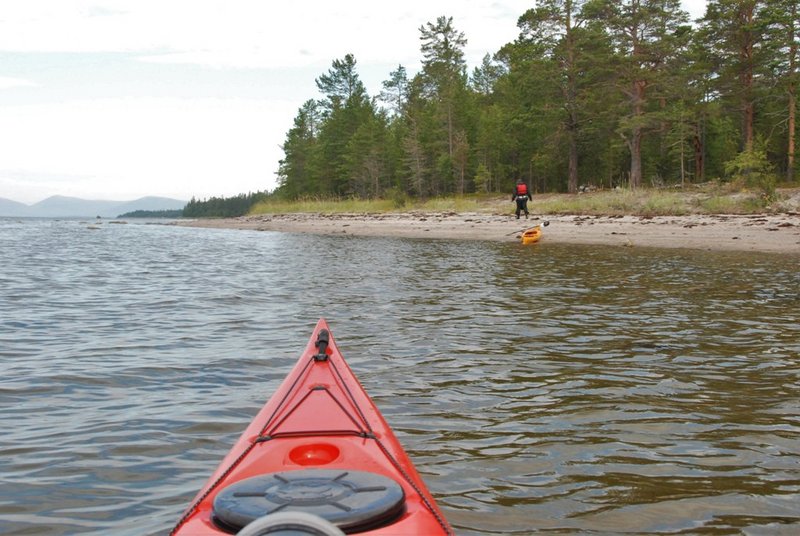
x: 318, y: 452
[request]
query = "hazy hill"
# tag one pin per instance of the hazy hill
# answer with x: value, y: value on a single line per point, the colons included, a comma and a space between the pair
x: 65, y: 207
x: 12, y: 208
x: 72, y: 207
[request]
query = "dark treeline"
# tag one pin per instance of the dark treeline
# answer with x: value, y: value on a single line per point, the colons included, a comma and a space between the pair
x: 602, y: 92
x: 223, y: 207
x: 152, y: 214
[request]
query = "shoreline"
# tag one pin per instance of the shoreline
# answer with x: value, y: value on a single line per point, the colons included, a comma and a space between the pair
x: 773, y: 233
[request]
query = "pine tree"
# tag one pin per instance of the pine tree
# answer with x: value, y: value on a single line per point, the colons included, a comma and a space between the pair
x: 347, y: 108
x: 444, y: 79
x: 559, y: 29
x: 296, y: 173
x: 395, y: 91
x: 783, y: 39
x: 645, y: 34
x: 733, y: 34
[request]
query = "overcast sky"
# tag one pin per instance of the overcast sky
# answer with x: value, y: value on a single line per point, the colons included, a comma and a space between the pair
x: 119, y: 99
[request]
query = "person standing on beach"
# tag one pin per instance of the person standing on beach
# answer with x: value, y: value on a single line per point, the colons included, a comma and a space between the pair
x: 521, y: 195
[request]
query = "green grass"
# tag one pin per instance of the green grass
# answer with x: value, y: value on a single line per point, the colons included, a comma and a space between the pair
x: 730, y: 205
x: 323, y: 206
x: 712, y: 198
x: 467, y: 203
x: 707, y: 199
x: 614, y: 203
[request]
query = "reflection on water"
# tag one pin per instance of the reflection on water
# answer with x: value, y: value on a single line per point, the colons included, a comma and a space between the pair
x: 561, y: 389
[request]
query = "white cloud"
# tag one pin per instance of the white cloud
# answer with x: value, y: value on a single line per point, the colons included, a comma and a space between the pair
x: 250, y: 33
x: 181, y: 145
x: 9, y: 82
x: 140, y: 147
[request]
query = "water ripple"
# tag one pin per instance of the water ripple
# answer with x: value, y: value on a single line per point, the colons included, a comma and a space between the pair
x: 545, y: 389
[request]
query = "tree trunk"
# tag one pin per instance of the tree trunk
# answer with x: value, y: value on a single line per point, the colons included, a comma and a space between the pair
x: 636, y: 158
x: 792, y: 96
x: 450, y: 131
x: 699, y: 160
x: 572, y: 128
x: 635, y: 144
x: 749, y: 117
x: 416, y: 161
x: 572, y: 185
x: 746, y: 76
x: 683, y: 166
x: 790, y: 149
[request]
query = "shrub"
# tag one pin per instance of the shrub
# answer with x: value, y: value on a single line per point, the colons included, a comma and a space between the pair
x: 751, y: 168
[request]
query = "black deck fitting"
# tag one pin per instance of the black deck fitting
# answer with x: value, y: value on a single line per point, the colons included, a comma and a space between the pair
x: 322, y: 345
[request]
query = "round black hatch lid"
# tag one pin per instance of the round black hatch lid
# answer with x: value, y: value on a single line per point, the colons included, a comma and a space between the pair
x: 351, y: 500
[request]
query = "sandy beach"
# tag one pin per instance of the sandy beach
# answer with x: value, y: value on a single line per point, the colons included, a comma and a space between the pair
x: 758, y: 233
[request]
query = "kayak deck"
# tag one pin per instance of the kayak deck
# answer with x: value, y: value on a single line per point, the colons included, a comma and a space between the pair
x: 533, y: 234
x: 320, y: 423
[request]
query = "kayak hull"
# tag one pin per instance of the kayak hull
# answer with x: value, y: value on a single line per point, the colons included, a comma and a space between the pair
x: 320, y: 418
x: 532, y: 235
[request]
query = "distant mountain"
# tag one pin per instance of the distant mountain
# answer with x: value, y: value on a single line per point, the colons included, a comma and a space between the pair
x: 73, y: 207
x: 66, y: 207
x: 12, y: 208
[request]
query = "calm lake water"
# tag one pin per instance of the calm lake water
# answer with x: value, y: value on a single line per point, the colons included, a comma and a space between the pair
x: 578, y: 390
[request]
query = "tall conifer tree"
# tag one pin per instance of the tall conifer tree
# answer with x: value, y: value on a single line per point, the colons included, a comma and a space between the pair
x: 645, y: 34
x: 444, y: 77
